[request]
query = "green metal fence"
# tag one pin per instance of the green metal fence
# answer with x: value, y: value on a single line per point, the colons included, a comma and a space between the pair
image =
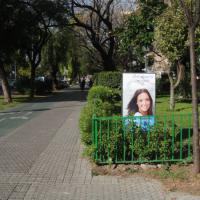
x: 149, y: 139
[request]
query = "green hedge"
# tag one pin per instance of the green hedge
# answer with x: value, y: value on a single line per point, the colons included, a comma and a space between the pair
x: 108, y: 79
x: 23, y: 86
x: 102, y: 101
x: 41, y: 87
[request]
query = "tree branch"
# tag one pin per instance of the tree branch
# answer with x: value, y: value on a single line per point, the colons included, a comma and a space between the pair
x: 187, y: 13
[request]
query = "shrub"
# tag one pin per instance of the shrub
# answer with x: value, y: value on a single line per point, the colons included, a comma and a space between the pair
x: 127, y: 142
x: 102, y: 101
x: 85, y: 124
x: 100, y: 94
x: 109, y: 79
x: 23, y: 86
x: 40, y: 87
x: 43, y: 87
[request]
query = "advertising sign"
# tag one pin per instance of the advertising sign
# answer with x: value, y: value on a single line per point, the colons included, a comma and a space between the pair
x: 138, y: 94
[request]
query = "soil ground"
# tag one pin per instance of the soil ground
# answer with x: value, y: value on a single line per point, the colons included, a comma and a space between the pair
x: 174, y: 177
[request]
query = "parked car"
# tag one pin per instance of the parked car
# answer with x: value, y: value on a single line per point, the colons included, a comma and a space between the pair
x: 63, y: 84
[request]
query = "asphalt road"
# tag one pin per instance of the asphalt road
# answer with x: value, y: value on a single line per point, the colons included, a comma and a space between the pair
x: 13, y: 118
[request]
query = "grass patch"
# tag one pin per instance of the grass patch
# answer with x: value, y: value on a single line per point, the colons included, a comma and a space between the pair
x: 162, y: 106
x: 180, y: 174
x: 182, y: 107
x: 17, y: 99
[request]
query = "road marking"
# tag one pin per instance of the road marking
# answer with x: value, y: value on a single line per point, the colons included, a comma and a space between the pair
x: 10, y: 113
x: 19, y: 117
x: 2, y: 119
x: 28, y: 113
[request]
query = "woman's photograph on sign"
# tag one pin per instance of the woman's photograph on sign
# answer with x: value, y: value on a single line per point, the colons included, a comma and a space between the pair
x: 139, y: 97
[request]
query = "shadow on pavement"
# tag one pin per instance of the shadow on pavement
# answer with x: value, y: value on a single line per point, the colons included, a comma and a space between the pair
x: 64, y: 95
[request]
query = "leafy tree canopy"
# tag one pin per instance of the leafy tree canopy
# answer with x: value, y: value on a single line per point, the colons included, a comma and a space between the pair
x: 139, y: 32
x: 171, y: 34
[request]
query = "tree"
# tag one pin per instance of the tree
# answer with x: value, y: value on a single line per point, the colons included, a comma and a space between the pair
x: 171, y: 41
x: 55, y: 53
x: 96, y: 18
x: 11, y: 32
x: 43, y: 15
x: 192, y: 14
x: 137, y: 36
x: 25, y: 25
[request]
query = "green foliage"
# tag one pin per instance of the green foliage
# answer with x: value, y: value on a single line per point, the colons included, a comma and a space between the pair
x: 171, y: 33
x: 138, y: 33
x: 85, y: 124
x: 180, y: 174
x: 124, y: 142
x: 17, y: 99
x: 41, y: 87
x: 162, y: 85
x: 184, y: 88
x: 102, y: 101
x: 109, y: 79
x: 23, y: 86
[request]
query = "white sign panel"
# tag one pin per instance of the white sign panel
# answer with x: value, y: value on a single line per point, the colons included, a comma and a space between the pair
x: 139, y: 94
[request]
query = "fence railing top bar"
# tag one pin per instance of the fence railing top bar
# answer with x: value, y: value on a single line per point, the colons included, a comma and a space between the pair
x: 136, y: 117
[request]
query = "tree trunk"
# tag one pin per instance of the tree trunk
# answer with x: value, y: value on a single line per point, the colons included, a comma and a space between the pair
x: 5, y: 85
x: 109, y: 64
x: 172, y: 88
x: 196, y: 152
x: 174, y: 83
x: 54, y: 79
x: 32, y: 90
x: 172, y: 100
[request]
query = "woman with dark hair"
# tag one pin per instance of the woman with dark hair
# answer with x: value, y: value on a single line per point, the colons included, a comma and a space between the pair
x: 141, y: 103
x: 141, y: 107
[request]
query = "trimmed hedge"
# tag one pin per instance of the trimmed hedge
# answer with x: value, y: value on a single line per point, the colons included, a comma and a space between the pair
x: 108, y: 79
x: 41, y: 87
x: 102, y: 101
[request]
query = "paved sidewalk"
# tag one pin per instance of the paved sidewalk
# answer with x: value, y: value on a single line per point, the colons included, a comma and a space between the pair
x: 42, y: 160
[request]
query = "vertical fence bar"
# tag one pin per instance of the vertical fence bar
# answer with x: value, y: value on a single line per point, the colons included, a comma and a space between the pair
x: 100, y: 139
x: 140, y: 124
x: 124, y: 144
x: 108, y: 137
x: 93, y: 129
x: 96, y: 138
x: 181, y: 137
x: 156, y: 158
x: 148, y: 130
x: 173, y: 136
x: 94, y: 133
x: 165, y: 135
x: 116, y: 131
x: 132, y: 141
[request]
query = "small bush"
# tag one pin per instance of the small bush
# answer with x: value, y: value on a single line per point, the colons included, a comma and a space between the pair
x: 108, y: 79
x: 100, y: 94
x: 85, y: 124
x: 23, y: 86
x: 127, y: 142
x: 40, y: 87
x: 102, y: 101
